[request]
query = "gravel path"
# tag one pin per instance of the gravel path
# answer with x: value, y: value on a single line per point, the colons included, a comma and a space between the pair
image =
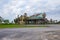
x: 48, y: 33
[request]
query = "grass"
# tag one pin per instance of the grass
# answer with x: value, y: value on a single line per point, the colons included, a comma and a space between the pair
x: 17, y: 26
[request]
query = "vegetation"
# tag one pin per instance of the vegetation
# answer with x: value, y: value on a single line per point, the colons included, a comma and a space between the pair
x: 22, y: 20
x: 1, y: 19
x: 4, y: 21
x: 58, y: 22
x: 17, y: 26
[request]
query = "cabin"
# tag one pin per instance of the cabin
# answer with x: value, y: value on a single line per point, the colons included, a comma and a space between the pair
x: 39, y: 18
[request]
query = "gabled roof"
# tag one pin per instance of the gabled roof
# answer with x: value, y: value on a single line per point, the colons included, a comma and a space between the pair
x: 37, y: 16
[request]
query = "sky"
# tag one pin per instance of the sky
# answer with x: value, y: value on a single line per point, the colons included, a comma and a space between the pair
x: 9, y: 9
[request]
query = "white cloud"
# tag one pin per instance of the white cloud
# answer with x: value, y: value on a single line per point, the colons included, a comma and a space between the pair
x: 15, y: 7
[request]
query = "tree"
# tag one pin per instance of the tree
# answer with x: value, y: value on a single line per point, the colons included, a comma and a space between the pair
x: 25, y: 14
x: 6, y: 21
x: 25, y: 17
x: 51, y: 21
x: 58, y: 22
x: 1, y: 20
x: 16, y: 21
x: 44, y: 15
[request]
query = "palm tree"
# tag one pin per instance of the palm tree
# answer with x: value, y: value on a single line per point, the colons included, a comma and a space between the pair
x: 25, y: 17
x: 44, y: 15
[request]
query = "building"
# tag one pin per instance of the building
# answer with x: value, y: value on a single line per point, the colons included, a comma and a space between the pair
x: 39, y: 18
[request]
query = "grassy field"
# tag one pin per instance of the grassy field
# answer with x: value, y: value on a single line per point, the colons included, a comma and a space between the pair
x: 17, y: 26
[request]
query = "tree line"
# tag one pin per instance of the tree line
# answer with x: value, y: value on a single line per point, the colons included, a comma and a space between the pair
x: 6, y: 21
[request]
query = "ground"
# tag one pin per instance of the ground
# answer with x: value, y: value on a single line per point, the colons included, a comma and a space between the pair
x: 52, y: 32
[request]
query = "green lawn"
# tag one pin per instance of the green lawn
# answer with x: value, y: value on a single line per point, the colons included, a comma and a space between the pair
x: 17, y: 26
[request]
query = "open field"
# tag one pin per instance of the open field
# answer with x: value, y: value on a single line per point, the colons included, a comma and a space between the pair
x: 17, y: 26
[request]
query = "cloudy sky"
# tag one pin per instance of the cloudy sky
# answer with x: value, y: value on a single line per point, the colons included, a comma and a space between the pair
x: 9, y: 9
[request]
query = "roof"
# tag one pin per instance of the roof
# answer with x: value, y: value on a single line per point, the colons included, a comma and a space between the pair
x: 37, y: 16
